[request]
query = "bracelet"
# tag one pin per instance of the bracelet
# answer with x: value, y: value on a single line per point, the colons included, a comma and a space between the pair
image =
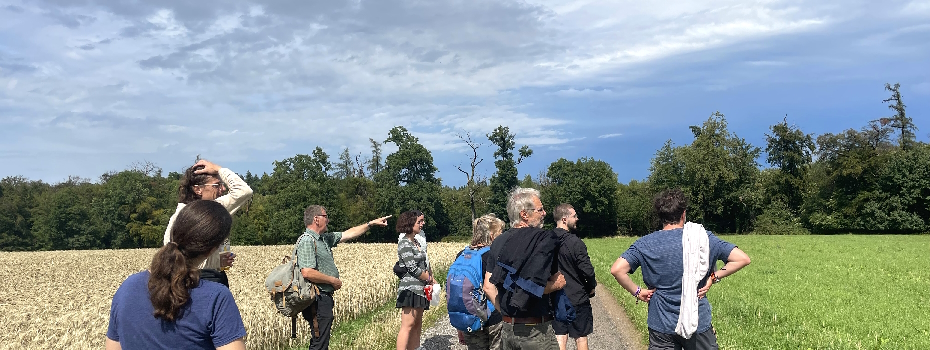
x: 637, y: 292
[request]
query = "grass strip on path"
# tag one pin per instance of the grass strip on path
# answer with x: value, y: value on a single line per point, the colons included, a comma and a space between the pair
x: 809, y: 292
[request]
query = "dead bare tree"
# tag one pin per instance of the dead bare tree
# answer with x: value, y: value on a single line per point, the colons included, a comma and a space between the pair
x: 470, y: 175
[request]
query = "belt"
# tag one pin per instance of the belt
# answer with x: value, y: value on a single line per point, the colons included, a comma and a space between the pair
x: 526, y: 320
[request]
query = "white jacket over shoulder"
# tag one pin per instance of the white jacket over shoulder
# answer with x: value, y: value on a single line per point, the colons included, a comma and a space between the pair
x: 239, y: 194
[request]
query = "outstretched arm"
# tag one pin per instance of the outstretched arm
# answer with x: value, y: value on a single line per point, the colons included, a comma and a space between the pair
x: 361, y: 229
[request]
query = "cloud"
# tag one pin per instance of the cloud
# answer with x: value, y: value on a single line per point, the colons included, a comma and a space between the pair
x: 767, y: 63
x: 249, y: 80
x: 607, y: 136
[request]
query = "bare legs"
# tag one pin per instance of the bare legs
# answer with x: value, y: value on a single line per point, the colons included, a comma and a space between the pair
x: 580, y: 343
x: 411, y: 325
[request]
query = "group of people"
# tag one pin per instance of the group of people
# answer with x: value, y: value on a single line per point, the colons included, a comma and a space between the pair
x: 183, y: 299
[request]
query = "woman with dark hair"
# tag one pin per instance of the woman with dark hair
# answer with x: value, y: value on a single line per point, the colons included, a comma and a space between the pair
x: 411, y: 298
x: 169, y: 306
x: 208, y: 181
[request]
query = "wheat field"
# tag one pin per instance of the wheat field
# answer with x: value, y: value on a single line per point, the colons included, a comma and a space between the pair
x: 61, y: 299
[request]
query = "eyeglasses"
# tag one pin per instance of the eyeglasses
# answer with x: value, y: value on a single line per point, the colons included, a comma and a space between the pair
x: 537, y: 210
x: 324, y: 216
x: 215, y: 186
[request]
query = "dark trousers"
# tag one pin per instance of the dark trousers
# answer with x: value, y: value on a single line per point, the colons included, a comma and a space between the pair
x: 324, y: 313
x: 529, y: 336
x: 699, y: 341
x: 215, y: 276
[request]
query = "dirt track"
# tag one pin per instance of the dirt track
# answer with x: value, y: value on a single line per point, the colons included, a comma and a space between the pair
x: 612, y: 329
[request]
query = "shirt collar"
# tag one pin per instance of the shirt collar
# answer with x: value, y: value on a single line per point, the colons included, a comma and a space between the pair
x: 312, y: 233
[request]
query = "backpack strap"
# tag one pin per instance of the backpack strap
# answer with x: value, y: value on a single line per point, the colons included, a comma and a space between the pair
x: 296, y: 246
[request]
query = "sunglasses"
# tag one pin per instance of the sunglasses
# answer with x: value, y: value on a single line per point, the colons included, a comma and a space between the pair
x: 215, y: 186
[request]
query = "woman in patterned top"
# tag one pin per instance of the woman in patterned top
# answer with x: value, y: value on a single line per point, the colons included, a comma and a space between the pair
x: 411, y: 298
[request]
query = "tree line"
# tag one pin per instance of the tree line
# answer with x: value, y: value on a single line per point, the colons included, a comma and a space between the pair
x: 872, y: 180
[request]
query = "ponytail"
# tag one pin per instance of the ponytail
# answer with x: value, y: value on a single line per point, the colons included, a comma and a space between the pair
x: 170, y: 282
x: 198, y: 230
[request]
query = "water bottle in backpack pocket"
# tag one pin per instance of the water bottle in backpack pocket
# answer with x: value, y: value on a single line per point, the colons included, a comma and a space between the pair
x: 468, y: 307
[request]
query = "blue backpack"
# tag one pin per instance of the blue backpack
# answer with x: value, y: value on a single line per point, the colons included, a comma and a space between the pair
x: 468, y: 307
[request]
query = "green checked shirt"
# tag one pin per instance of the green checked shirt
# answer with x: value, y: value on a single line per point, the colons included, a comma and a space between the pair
x: 323, y: 259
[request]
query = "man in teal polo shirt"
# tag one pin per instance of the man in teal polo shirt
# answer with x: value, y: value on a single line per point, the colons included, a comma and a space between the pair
x: 315, y: 260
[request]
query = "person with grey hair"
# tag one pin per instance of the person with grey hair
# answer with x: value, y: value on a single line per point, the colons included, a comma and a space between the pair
x: 575, y: 265
x: 521, y: 272
x: 315, y: 260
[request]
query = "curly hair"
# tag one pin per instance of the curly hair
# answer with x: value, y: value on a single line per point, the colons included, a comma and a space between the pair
x: 669, y: 205
x: 190, y: 179
x: 406, y: 221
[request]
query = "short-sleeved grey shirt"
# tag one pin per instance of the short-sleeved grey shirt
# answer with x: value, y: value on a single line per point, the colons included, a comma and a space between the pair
x: 323, y: 259
x: 660, y: 256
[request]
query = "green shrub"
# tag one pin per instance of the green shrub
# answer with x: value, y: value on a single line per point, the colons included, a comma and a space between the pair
x: 778, y: 220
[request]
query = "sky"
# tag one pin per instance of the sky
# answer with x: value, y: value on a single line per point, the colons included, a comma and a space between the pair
x: 93, y: 86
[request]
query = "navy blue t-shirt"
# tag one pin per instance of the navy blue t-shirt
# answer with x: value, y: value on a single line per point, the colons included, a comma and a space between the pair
x: 210, y: 320
x: 660, y: 256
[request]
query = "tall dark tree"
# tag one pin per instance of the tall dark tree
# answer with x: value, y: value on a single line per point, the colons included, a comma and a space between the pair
x: 345, y: 167
x: 374, y: 163
x: 408, y: 182
x: 505, y: 178
x: 899, y: 120
x: 470, y: 174
x: 790, y: 150
x: 590, y: 186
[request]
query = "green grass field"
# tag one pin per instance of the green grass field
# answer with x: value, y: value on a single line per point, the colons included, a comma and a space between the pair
x: 809, y: 292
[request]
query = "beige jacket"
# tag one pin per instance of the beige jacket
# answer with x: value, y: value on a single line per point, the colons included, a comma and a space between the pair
x: 239, y: 194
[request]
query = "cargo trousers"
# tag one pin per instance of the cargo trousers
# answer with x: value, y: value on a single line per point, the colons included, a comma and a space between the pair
x: 530, y: 336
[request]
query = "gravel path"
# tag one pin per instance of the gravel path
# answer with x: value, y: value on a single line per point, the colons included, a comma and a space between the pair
x: 612, y: 329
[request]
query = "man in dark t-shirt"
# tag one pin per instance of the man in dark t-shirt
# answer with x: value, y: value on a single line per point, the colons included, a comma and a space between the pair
x: 531, y: 254
x: 575, y: 265
x: 661, y: 256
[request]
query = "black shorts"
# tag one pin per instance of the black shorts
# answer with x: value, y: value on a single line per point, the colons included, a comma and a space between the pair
x: 699, y: 341
x: 407, y: 298
x: 581, y: 327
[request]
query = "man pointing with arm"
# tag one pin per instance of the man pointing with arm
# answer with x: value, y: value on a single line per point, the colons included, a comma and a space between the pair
x: 315, y: 260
